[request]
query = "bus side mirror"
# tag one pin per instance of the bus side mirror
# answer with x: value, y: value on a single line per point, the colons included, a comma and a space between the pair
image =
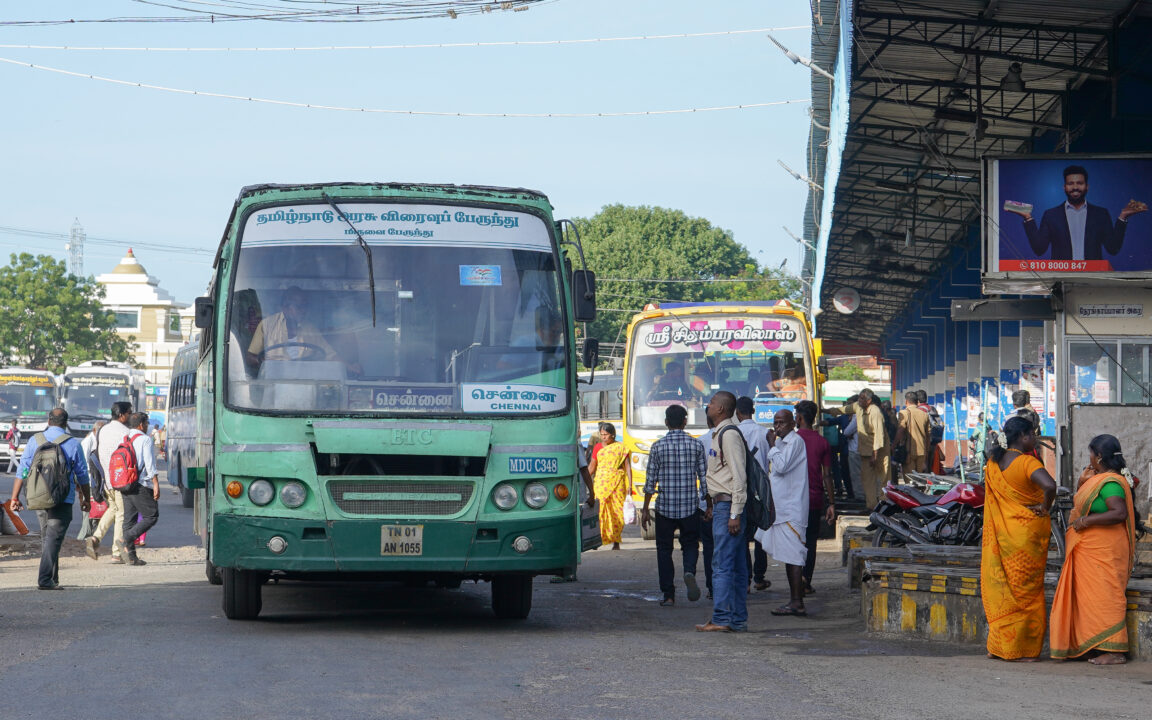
x: 822, y: 365
x: 591, y: 353
x: 584, y: 295
x: 204, y: 309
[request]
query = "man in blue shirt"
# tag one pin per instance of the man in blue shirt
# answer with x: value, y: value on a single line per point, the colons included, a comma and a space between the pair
x: 55, y: 520
x: 678, y: 465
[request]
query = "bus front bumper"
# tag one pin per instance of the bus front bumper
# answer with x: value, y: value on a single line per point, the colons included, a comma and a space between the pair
x: 473, y: 548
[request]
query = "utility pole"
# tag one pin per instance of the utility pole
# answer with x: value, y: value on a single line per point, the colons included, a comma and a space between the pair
x: 75, y: 248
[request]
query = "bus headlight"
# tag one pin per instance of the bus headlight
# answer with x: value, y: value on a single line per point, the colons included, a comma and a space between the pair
x: 639, y: 462
x: 293, y: 495
x: 535, y: 495
x: 505, y: 496
x: 261, y: 492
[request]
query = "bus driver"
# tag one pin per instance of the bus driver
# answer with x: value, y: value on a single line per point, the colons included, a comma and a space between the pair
x: 287, y: 335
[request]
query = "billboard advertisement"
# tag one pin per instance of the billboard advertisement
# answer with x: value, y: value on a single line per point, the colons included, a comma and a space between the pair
x: 1067, y: 216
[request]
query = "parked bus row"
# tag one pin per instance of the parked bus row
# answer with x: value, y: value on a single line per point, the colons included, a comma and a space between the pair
x: 86, y: 391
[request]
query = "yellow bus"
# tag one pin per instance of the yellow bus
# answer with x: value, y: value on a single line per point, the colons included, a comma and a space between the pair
x: 682, y: 354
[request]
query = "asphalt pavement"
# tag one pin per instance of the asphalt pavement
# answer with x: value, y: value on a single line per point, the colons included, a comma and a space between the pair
x: 153, y: 642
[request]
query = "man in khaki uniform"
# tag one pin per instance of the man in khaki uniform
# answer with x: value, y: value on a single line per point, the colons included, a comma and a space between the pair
x: 874, y: 448
x: 915, y: 430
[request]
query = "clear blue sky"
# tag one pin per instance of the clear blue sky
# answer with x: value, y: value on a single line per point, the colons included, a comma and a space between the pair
x: 146, y: 167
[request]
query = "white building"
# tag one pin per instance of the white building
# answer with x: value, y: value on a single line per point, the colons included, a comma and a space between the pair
x: 147, y: 312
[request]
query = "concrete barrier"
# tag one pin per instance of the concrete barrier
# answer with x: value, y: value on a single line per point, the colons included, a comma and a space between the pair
x: 933, y: 592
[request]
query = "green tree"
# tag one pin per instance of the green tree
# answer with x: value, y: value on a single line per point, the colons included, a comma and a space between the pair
x: 650, y: 254
x: 847, y: 371
x: 50, y: 318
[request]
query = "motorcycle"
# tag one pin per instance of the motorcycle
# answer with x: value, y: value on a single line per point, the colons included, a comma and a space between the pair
x: 906, y: 516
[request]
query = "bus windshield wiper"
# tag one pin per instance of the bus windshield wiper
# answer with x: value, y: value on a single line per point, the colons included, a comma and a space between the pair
x: 367, y: 253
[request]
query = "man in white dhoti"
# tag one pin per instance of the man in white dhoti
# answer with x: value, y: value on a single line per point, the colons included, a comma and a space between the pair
x: 788, y: 473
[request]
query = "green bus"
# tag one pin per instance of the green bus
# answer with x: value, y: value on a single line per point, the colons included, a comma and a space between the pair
x: 387, y: 390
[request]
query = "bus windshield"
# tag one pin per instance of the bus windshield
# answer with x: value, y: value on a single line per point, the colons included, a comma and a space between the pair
x: 684, y: 361
x: 93, y: 395
x: 467, y: 315
x: 25, y: 399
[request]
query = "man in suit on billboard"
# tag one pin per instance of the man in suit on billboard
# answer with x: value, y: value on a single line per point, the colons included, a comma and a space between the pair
x: 1076, y: 229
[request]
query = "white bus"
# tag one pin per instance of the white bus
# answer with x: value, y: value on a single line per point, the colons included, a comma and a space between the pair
x: 89, y: 389
x: 26, y: 396
x: 180, y: 441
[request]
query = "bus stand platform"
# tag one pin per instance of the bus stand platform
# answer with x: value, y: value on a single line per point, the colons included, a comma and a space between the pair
x: 932, y: 592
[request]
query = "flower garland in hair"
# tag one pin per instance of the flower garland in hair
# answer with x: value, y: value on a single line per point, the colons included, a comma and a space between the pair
x: 1002, y: 440
x: 1128, y: 476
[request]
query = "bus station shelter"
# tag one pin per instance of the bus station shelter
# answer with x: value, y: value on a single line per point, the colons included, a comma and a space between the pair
x: 937, y: 129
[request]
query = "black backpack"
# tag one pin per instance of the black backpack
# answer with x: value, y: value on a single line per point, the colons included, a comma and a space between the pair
x: 96, y: 473
x: 47, y: 484
x: 759, y: 508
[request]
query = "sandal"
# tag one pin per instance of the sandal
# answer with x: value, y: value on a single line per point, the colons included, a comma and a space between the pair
x: 789, y: 610
x: 668, y: 602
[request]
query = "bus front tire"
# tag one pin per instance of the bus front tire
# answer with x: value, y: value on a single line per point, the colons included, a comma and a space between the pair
x: 512, y: 596
x: 242, y: 599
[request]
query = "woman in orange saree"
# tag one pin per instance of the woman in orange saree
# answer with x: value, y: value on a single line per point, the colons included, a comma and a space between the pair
x: 1089, y: 610
x: 1018, y: 493
x: 613, y: 482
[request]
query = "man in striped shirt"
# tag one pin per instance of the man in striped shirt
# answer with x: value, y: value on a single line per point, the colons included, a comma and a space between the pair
x: 677, y: 465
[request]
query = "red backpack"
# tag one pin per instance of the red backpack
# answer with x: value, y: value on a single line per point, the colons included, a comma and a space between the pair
x: 123, y: 470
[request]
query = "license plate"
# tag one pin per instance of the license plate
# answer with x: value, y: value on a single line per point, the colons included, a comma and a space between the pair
x: 402, y: 540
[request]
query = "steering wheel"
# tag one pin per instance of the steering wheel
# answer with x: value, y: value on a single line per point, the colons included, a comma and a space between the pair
x: 293, y: 343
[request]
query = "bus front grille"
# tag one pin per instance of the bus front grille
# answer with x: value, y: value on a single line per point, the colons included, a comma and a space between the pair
x: 407, y: 499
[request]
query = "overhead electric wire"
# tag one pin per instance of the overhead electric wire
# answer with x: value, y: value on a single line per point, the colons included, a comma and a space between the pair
x: 90, y: 239
x: 317, y: 11
x: 390, y: 111
x: 410, y: 46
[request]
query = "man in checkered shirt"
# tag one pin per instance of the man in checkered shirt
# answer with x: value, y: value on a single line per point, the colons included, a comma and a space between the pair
x: 676, y: 464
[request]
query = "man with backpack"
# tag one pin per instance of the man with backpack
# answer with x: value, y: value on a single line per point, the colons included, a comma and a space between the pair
x: 50, y: 470
x: 756, y: 437
x: 134, y: 461
x: 727, y: 482
x: 107, y: 440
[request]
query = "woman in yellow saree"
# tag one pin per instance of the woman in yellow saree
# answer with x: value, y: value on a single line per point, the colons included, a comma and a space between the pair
x: 1089, y: 610
x: 1018, y: 493
x: 613, y: 482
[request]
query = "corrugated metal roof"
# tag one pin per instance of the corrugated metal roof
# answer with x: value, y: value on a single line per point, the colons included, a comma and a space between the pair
x: 931, y: 93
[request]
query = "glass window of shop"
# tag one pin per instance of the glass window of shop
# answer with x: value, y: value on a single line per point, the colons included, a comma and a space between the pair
x: 1095, y: 377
